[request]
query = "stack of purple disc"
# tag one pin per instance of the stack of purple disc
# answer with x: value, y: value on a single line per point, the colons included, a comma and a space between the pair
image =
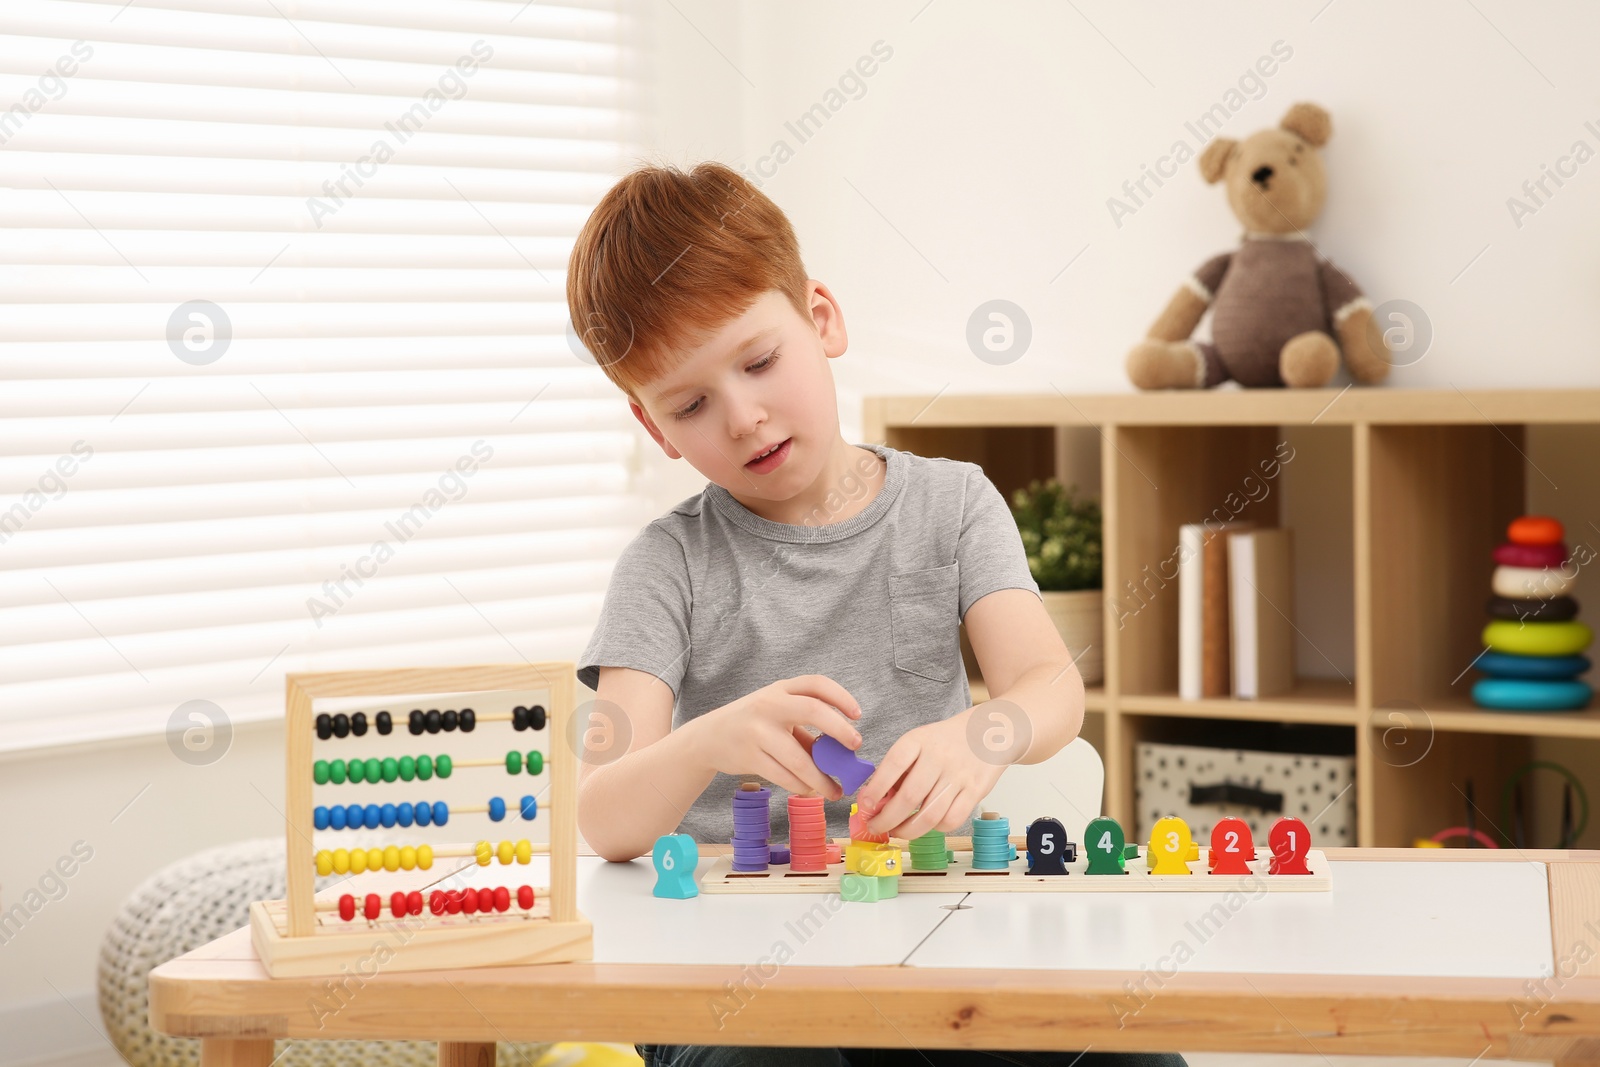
x: 752, y: 829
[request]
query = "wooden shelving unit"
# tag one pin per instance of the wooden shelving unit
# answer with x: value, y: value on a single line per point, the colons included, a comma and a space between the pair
x: 1397, y: 499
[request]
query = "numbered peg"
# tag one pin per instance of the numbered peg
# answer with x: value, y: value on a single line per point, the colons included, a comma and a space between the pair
x: 1290, y: 842
x: 1171, y: 847
x: 1232, y: 847
x: 676, y: 856
x: 1049, y: 851
x: 1107, y: 847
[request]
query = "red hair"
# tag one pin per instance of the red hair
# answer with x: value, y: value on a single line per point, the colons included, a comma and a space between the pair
x: 667, y: 258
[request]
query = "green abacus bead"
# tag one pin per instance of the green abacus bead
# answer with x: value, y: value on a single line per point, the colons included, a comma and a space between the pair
x: 336, y: 772
x: 535, y: 761
x: 408, y: 768
x: 319, y: 772
x: 357, y: 770
x: 424, y: 767
x: 513, y: 762
x: 442, y: 765
x: 374, y: 770
x: 391, y: 769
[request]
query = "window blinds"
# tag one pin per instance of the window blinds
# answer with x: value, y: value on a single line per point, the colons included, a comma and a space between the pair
x: 284, y: 377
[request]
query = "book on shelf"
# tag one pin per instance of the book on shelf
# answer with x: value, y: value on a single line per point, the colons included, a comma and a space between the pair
x: 1191, y: 593
x: 1203, y: 627
x: 1261, y: 603
x: 1216, y: 627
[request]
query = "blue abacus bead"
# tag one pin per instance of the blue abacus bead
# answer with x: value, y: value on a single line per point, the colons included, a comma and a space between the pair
x: 336, y: 817
x: 530, y: 807
x: 441, y: 813
x: 374, y: 817
x: 319, y: 818
x: 424, y: 814
x: 387, y: 815
x: 355, y: 816
x: 497, y: 808
x: 403, y: 814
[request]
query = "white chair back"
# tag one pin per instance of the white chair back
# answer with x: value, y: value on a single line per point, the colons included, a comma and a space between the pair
x: 1068, y: 786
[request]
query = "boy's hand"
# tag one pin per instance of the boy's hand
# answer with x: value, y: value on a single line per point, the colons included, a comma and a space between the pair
x: 943, y: 776
x: 761, y: 733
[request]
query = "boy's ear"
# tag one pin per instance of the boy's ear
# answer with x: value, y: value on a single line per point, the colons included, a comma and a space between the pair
x: 828, y: 318
x: 650, y: 428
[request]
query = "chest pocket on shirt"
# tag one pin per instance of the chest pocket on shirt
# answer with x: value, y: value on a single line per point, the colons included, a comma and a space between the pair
x: 923, y: 621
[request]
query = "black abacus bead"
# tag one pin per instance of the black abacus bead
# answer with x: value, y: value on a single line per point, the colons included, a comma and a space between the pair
x: 434, y: 720
x: 385, y: 723
x: 469, y: 719
x: 358, y: 724
x: 341, y: 725
x: 324, y: 726
x: 416, y: 724
x: 536, y: 714
x: 519, y: 718
x: 450, y: 720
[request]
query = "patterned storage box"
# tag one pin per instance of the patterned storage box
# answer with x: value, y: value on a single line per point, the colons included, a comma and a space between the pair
x: 1200, y: 785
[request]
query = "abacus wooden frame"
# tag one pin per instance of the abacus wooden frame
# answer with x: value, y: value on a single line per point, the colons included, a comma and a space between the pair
x: 286, y: 935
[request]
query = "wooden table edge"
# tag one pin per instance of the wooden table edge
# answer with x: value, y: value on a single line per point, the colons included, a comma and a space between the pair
x: 1557, y: 1019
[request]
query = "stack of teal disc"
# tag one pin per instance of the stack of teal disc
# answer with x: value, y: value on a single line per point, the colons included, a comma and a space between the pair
x: 1534, y: 640
x: 930, y: 853
x: 991, y: 847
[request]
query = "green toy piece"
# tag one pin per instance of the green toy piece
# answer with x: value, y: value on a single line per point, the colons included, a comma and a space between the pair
x: 1107, y: 847
x: 868, y: 888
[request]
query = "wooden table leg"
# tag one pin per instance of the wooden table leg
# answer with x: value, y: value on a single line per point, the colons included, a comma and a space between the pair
x: 466, y: 1054
x: 227, y: 1052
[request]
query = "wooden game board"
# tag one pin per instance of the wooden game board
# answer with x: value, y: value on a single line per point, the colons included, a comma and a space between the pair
x: 960, y: 877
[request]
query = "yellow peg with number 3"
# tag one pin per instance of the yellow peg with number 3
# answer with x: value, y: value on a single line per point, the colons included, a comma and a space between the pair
x: 1171, y: 847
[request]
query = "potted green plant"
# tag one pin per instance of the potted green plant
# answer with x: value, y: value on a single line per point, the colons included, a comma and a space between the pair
x: 1061, y: 534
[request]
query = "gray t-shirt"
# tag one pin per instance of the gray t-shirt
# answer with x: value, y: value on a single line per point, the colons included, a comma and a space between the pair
x: 718, y: 602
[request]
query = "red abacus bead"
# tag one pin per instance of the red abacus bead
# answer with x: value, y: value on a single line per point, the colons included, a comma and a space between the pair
x: 347, y: 907
x: 453, y: 901
x: 486, y: 899
x: 525, y: 897
x: 438, y: 902
x: 469, y: 902
x: 414, y: 903
x: 374, y: 906
x: 397, y: 905
x: 502, y: 898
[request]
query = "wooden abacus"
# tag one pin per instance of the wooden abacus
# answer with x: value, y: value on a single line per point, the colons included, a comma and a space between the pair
x: 300, y: 936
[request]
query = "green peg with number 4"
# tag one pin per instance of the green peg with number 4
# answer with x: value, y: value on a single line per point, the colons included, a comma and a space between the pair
x: 1107, y: 847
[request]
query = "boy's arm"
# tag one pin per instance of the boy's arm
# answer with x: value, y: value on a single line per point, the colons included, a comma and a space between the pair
x: 1025, y: 663
x: 636, y: 780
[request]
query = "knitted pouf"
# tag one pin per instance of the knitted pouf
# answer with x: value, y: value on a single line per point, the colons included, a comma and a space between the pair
x: 195, y: 901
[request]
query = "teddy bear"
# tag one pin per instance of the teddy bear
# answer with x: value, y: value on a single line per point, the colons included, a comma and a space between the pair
x: 1276, y: 304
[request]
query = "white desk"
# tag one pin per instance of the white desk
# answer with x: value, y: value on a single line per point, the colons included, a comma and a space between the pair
x: 1414, y: 952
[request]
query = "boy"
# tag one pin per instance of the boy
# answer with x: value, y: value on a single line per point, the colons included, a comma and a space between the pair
x: 812, y: 584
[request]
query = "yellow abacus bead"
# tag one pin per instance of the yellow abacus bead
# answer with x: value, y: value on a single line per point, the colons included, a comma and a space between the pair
x: 506, y: 851
x: 341, y: 861
x: 324, y: 862
x: 524, y: 850
x: 358, y: 860
x: 374, y: 858
x: 408, y: 857
x: 391, y: 858
x: 425, y: 856
x: 485, y: 852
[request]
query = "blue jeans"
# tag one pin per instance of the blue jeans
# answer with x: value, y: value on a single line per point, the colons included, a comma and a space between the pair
x: 737, y: 1056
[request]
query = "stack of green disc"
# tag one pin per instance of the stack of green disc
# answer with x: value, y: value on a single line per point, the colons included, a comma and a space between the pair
x: 990, y: 849
x: 928, y: 852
